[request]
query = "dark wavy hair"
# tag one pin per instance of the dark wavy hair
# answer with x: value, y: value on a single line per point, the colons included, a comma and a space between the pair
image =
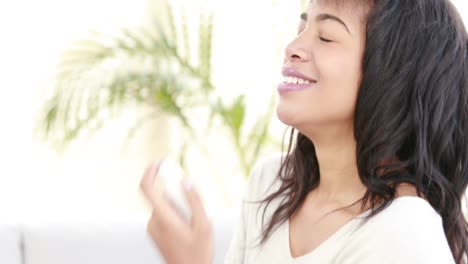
x: 412, y: 109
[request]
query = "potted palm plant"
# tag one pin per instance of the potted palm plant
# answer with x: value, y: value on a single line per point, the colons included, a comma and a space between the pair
x: 151, y: 68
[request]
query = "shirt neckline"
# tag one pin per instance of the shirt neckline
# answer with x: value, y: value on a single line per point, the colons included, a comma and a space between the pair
x: 322, y: 246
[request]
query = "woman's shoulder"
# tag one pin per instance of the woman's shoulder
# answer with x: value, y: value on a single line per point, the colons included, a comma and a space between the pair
x: 268, y: 165
x: 404, y: 211
x: 264, y: 175
x: 410, y: 228
x: 405, y: 215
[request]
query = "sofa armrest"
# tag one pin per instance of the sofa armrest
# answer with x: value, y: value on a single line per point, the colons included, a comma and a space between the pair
x: 10, y: 244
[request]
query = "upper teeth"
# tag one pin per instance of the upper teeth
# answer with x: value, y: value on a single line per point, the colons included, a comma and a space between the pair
x: 295, y: 80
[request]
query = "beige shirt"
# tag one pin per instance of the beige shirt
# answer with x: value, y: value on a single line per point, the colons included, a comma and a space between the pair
x: 407, y: 231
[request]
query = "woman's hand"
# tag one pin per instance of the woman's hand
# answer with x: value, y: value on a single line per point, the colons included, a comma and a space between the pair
x: 179, y: 241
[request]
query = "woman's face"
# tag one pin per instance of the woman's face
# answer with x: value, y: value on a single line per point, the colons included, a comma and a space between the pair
x: 328, y: 54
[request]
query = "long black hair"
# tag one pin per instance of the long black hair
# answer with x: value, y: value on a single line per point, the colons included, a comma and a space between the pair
x: 411, y: 112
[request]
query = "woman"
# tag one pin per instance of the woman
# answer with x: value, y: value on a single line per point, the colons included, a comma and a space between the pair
x: 376, y: 94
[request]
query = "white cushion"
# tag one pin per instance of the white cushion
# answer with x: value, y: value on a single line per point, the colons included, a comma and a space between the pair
x: 89, y: 243
x: 116, y: 242
x: 10, y: 244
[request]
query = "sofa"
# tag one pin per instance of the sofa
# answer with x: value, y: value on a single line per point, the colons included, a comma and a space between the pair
x: 92, y: 242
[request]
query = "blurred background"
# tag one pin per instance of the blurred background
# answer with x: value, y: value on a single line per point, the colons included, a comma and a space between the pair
x: 94, y: 90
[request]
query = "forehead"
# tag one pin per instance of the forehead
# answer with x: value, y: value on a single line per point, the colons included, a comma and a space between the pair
x: 352, y: 12
x: 338, y: 4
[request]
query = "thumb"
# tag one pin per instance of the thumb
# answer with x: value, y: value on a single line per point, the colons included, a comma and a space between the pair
x: 199, y: 218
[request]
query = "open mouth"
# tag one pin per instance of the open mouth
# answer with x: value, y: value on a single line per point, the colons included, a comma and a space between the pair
x: 294, y: 81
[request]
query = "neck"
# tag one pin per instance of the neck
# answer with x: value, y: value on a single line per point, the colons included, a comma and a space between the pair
x: 336, y: 155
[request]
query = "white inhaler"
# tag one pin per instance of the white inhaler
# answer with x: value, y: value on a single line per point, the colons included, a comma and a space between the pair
x: 170, y: 175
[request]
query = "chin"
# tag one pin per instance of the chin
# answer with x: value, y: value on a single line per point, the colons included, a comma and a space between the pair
x: 287, y: 116
x: 296, y: 117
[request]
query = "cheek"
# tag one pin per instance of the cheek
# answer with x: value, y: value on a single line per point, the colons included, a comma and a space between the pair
x: 340, y: 76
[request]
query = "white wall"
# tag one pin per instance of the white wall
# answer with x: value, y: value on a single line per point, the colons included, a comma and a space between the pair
x: 98, y: 177
x: 93, y: 176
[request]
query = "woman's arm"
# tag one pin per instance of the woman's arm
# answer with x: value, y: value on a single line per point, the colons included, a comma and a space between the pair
x: 236, y: 251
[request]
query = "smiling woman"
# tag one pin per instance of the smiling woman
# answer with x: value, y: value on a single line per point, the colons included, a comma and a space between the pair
x: 376, y: 94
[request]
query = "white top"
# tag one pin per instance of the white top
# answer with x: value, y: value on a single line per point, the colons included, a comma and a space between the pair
x: 409, y: 230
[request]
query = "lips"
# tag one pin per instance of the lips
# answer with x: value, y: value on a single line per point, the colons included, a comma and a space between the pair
x: 295, y: 81
x: 291, y: 72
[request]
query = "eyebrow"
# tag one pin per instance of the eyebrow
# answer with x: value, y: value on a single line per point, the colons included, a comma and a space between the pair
x: 324, y: 16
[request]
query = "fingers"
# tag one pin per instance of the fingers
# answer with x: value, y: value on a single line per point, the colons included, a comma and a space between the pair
x: 147, y: 184
x: 158, y: 201
x: 163, y: 213
x: 199, y: 221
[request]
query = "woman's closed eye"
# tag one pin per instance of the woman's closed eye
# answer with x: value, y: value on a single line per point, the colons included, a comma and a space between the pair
x: 325, y: 40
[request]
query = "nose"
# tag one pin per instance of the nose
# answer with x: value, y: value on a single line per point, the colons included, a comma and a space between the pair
x: 296, y: 52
